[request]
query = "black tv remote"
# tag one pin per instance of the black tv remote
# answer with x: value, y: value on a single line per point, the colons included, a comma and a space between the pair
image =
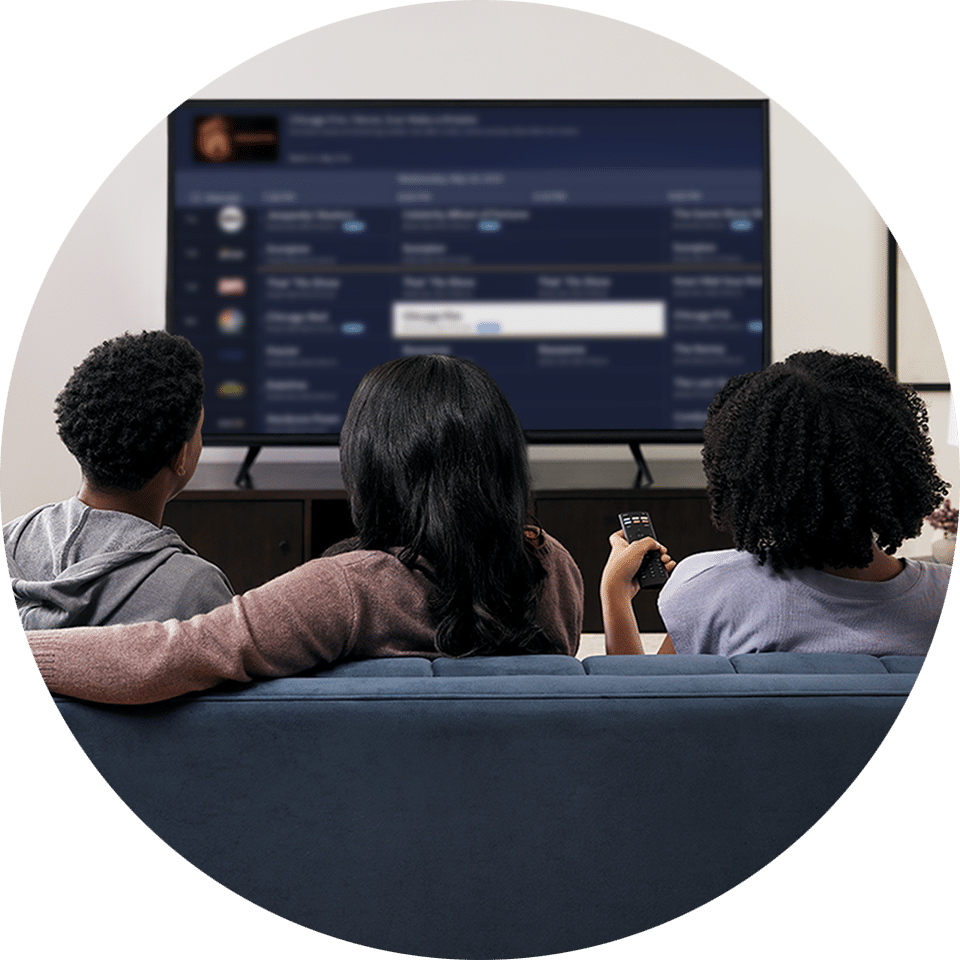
x: 637, y: 525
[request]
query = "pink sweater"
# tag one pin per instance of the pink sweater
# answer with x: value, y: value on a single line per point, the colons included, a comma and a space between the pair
x: 354, y: 606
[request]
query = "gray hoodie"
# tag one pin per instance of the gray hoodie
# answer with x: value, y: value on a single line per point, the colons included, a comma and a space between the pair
x: 73, y: 566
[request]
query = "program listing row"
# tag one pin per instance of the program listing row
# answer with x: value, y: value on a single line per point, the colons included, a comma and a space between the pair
x: 283, y: 390
x: 234, y: 322
x: 416, y: 212
x: 492, y: 285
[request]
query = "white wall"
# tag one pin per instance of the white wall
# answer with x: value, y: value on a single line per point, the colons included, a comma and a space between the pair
x: 828, y: 260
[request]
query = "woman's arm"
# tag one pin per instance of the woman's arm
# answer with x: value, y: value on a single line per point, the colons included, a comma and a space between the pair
x: 618, y: 586
x: 305, y: 617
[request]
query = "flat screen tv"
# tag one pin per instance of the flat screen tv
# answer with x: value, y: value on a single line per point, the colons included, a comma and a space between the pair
x: 608, y: 262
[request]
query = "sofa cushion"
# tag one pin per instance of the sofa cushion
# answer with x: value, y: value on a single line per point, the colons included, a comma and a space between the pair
x: 383, y: 667
x: 818, y: 663
x: 539, y: 665
x: 625, y: 666
x: 900, y: 663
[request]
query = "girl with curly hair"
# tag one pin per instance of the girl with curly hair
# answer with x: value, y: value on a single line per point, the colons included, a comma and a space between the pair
x: 820, y: 467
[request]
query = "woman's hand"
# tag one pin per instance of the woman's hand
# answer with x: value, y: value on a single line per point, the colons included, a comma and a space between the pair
x: 618, y: 586
x: 619, y: 577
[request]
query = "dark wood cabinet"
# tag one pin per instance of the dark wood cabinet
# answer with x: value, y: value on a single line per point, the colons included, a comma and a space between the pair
x: 252, y: 541
x: 295, y: 511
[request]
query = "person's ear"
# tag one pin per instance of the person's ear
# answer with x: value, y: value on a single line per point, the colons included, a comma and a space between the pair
x: 178, y: 463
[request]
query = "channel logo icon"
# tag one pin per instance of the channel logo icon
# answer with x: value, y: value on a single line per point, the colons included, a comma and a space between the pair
x: 231, y: 390
x: 231, y: 219
x: 231, y: 286
x: 231, y: 321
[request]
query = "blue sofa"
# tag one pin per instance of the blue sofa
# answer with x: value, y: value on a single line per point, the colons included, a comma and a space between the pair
x: 498, y: 807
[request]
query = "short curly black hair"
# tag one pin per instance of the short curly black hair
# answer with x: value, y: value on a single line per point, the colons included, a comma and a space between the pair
x: 812, y: 460
x: 129, y: 407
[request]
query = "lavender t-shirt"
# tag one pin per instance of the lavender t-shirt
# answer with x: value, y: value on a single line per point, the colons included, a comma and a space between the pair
x: 724, y: 602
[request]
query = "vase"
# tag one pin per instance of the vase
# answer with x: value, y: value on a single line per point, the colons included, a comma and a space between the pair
x: 943, y: 548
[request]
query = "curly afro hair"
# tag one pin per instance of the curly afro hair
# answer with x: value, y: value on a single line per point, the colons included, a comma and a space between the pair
x: 812, y: 460
x: 130, y: 406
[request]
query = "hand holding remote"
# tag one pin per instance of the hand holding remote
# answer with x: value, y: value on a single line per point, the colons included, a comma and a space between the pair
x: 620, y: 575
x: 619, y: 583
x: 652, y: 572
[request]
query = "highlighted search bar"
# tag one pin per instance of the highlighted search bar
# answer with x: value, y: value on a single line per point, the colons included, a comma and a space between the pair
x: 472, y: 320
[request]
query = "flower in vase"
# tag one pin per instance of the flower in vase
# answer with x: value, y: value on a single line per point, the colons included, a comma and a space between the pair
x: 944, y: 518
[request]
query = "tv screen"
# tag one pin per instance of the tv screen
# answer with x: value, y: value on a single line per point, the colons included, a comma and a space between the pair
x: 606, y: 261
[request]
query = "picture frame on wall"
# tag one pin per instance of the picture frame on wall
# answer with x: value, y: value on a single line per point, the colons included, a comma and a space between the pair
x: 914, y: 354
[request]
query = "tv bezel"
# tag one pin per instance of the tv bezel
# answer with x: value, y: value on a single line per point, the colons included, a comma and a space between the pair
x: 559, y: 437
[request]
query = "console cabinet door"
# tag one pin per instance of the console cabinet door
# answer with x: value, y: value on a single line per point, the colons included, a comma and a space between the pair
x: 252, y: 541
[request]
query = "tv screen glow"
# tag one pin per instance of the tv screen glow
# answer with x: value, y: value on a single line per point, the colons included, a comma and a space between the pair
x: 606, y: 261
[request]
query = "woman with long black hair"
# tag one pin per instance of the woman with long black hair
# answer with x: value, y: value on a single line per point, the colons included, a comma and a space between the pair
x: 446, y: 562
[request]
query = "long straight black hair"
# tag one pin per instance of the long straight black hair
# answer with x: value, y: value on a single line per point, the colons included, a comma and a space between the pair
x: 435, y: 463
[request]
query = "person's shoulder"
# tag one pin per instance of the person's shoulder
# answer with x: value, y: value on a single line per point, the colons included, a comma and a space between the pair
x: 935, y: 574
x: 713, y: 571
x: 358, y: 559
x: 43, y: 512
x: 701, y: 564
x: 192, y: 569
x: 192, y: 561
x: 545, y: 543
x: 372, y: 587
x: 381, y: 570
x: 554, y: 554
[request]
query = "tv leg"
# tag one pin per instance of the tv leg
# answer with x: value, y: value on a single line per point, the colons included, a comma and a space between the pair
x: 644, y: 476
x: 243, y: 478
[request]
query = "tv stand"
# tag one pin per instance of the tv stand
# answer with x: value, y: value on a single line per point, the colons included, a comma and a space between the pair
x: 243, y: 480
x: 644, y: 476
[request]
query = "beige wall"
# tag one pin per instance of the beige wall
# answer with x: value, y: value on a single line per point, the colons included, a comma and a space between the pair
x: 828, y: 284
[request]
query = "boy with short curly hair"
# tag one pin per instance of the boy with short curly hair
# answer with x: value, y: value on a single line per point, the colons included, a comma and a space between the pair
x: 131, y: 414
